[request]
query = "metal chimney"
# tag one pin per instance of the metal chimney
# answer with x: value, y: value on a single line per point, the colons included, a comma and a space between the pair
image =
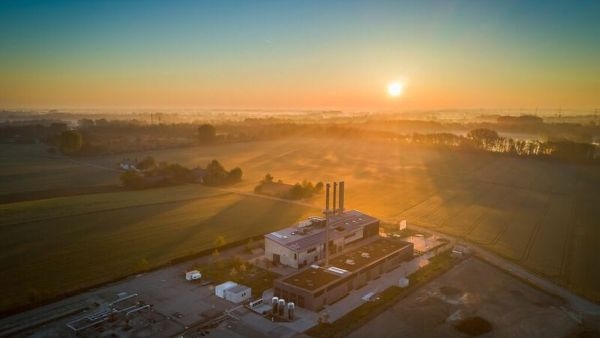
x: 341, y: 197
x: 334, y: 197
x: 327, y: 188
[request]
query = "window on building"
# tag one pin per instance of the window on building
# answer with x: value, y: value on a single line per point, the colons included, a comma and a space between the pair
x: 295, y: 256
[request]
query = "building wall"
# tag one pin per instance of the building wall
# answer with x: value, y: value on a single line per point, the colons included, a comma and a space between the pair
x: 315, y: 300
x: 371, y: 230
x: 296, y: 259
x: 354, y: 236
x: 238, y: 297
x: 286, y: 256
x: 311, y: 255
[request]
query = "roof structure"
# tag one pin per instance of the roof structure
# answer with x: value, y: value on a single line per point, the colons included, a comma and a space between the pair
x: 238, y: 288
x: 314, y: 278
x: 311, y: 232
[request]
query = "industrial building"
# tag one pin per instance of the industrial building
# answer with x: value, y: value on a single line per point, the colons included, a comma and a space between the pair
x: 316, y: 286
x: 233, y: 292
x: 304, y: 243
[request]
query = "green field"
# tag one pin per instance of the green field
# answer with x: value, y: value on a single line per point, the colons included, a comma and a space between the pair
x: 26, y: 168
x: 544, y: 215
x: 81, y: 243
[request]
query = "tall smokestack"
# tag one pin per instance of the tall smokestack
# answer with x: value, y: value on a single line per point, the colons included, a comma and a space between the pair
x: 327, y: 188
x: 341, y: 197
x: 334, y: 197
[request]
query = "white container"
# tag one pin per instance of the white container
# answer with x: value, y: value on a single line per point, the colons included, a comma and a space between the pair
x: 220, y: 289
x: 238, y: 293
x: 193, y: 275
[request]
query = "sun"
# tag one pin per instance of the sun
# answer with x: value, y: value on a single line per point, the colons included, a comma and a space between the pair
x: 395, y: 89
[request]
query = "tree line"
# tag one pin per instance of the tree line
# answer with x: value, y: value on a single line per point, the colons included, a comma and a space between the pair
x: 489, y: 140
x: 147, y: 173
x: 300, y: 190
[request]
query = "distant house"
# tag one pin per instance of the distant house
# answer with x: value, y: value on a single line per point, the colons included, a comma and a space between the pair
x: 128, y: 165
x: 199, y: 174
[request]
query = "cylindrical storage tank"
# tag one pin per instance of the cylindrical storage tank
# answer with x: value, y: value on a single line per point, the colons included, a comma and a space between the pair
x: 274, y: 302
x: 290, y: 307
x: 281, y: 307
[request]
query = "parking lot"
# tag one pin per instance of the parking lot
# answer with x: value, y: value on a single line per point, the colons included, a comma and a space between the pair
x: 175, y: 303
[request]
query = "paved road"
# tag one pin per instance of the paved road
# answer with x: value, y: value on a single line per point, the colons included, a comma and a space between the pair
x: 576, y: 302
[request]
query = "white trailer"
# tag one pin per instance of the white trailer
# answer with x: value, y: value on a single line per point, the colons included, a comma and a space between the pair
x: 193, y: 275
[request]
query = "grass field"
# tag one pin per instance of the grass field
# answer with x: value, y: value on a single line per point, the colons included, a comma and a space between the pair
x: 26, y: 168
x: 543, y: 215
x: 91, y: 243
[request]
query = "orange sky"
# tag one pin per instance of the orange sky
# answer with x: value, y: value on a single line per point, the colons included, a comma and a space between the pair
x: 299, y: 56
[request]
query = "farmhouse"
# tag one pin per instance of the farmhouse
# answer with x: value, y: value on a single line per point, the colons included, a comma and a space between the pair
x: 316, y: 286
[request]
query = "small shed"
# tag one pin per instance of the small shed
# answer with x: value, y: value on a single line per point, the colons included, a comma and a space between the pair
x: 220, y: 289
x: 238, y: 293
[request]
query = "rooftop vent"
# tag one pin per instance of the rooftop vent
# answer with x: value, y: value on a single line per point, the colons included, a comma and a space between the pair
x: 304, y: 224
x: 365, y: 255
x: 337, y: 270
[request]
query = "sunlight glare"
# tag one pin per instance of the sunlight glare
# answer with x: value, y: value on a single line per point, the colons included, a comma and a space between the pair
x: 395, y: 89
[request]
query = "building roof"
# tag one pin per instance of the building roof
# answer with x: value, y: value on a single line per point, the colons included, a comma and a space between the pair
x: 238, y: 288
x: 226, y: 285
x: 309, y: 233
x: 367, y: 254
x: 313, y: 278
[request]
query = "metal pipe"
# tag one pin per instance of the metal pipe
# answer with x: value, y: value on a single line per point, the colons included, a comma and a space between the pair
x: 327, y: 192
x: 334, y: 197
x: 342, y: 196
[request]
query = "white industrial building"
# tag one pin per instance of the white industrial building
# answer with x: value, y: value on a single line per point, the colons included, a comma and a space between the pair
x: 304, y: 243
x: 233, y: 292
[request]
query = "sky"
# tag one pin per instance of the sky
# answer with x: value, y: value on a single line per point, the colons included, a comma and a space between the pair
x: 299, y: 54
